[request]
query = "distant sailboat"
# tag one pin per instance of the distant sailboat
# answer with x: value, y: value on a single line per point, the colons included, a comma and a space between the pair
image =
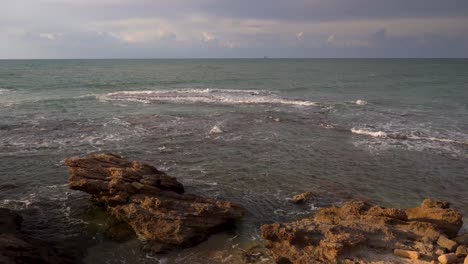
x: 265, y: 57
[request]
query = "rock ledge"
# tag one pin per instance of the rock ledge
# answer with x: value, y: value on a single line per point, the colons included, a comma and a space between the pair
x: 152, y: 203
x: 359, y: 232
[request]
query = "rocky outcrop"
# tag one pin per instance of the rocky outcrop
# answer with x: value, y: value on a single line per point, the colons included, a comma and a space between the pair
x: 438, y: 213
x: 152, y: 203
x: 18, y: 248
x: 359, y: 232
x: 302, y: 197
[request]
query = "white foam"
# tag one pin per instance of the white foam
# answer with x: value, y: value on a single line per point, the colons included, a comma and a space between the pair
x: 435, y: 139
x: 362, y: 131
x: 382, y: 134
x: 208, y: 96
x: 216, y: 130
x: 4, y: 91
x: 361, y: 102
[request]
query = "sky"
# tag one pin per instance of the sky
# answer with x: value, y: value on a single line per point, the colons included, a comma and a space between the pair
x: 232, y: 29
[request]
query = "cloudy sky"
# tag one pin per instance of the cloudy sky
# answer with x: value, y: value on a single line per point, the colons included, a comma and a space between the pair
x: 232, y: 28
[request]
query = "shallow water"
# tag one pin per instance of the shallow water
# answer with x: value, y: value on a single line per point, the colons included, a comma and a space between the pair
x: 389, y: 131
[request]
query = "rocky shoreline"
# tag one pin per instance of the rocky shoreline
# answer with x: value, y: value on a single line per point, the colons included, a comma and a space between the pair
x: 19, y: 248
x: 153, y: 206
x: 358, y: 232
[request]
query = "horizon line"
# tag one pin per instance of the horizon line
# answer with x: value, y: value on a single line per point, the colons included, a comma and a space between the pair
x: 232, y: 58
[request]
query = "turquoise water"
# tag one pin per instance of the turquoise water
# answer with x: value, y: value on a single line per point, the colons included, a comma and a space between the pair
x: 389, y: 131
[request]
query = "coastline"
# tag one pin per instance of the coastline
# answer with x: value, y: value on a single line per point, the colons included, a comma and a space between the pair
x: 144, y: 201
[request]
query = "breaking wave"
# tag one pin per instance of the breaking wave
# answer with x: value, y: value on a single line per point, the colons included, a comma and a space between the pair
x: 208, y: 96
x: 366, y: 132
x: 415, y: 136
x: 361, y: 102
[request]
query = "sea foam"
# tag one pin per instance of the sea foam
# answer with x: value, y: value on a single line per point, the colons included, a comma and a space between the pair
x: 361, y: 102
x: 4, y: 91
x: 207, y: 96
x: 362, y: 131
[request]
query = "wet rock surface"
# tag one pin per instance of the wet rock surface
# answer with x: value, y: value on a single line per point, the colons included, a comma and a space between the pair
x: 303, y: 197
x: 19, y: 248
x: 152, y: 203
x: 359, y: 232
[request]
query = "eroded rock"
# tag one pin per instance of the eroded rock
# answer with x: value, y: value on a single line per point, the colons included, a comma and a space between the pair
x: 462, y: 250
x: 447, y: 243
x: 438, y: 213
x: 414, y: 255
x: 359, y: 232
x: 448, y: 258
x: 152, y: 203
x: 17, y: 248
x: 302, y: 197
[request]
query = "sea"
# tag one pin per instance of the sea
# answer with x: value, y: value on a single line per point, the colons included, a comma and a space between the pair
x: 251, y: 131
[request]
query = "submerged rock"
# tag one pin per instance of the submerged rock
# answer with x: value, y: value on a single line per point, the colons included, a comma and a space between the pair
x: 461, y: 239
x: 359, y: 232
x: 152, y: 203
x: 16, y: 247
x: 302, y: 197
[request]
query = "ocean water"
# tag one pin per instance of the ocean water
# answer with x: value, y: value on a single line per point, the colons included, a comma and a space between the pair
x: 254, y: 132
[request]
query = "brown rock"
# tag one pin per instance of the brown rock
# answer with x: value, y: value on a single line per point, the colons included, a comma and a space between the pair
x: 439, y: 251
x: 444, y: 242
x: 152, y: 203
x: 448, y: 258
x: 462, y: 250
x: 302, y: 197
x: 438, y: 213
x: 406, y: 254
x: 16, y: 247
x: 357, y: 232
x: 462, y: 239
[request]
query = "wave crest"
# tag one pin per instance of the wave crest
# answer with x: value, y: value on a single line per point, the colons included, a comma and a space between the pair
x: 367, y: 132
x: 402, y: 136
x: 207, y: 96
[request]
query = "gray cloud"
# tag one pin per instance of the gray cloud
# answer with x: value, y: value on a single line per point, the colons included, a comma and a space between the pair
x: 241, y: 28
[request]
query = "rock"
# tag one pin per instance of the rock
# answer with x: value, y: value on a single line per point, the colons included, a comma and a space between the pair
x: 439, y: 251
x: 462, y: 239
x: 255, y: 254
x: 406, y: 254
x: 152, y: 203
x: 444, y: 242
x: 448, y: 258
x: 16, y: 247
x: 438, y: 213
x: 462, y: 250
x: 302, y: 197
x: 357, y: 232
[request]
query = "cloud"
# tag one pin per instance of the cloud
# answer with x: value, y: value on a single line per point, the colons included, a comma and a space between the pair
x: 300, y: 36
x: 208, y: 37
x: 212, y: 27
x: 50, y: 36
